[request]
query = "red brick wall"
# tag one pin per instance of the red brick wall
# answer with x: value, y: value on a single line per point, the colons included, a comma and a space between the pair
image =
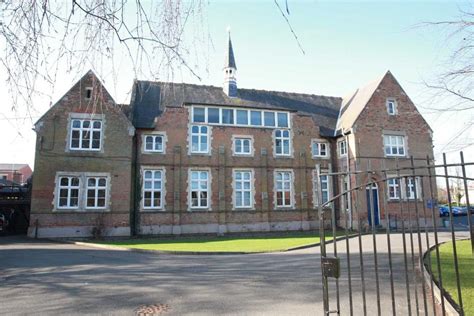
x: 52, y: 156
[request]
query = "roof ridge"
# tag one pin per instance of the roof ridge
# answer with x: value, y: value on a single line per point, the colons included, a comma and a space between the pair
x: 247, y: 89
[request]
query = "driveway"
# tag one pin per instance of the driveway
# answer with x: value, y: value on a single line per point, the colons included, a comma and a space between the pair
x: 46, y: 278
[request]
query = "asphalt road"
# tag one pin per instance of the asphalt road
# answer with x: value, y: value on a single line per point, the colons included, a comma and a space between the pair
x: 48, y: 278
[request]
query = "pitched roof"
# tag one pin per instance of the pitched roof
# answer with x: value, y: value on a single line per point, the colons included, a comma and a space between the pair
x: 12, y: 166
x: 229, y: 58
x: 151, y: 98
x: 355, y: 102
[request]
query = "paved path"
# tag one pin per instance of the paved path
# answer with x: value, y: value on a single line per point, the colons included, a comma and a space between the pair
x: 47, y: 278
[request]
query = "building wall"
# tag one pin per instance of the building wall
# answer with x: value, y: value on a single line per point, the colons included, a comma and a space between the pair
x: 18, y: 175
x: 53, y: 156
x: 367, y: 139
x: 177, y: 217
x: 116, y: 160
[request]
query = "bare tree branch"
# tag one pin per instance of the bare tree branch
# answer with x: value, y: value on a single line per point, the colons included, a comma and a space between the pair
x: 41, y: 39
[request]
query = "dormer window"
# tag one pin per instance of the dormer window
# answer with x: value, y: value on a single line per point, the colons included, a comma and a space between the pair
x: 391, y: 106
x: 88, y: 93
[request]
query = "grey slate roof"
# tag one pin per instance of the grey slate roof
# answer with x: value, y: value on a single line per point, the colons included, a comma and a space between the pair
x: 151, y: 98
x: 229, y: 58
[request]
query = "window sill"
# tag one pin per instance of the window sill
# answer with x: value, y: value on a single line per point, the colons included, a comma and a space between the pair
x: 153, y: 152
x: 284, y: 209
x: 152, y: 210
x: 404, y: 200
x: 199, y: 154
x: 244, y: 209
x: 199, y: 210
x: 80, y: 211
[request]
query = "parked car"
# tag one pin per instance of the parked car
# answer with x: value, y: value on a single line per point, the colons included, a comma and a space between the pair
x: 443, y: 210
x: 459, y: 210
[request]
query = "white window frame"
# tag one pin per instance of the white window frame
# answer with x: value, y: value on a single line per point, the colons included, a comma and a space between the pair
x: 89, y: 130
x: 282, y: 139
x: 83, y: 188
x: 250, y: 189
x: 96, y: 188
x: 345, y: 202
x: 152, y: 190
x: 316, y: 183
x: 85, y: 117
x: 342, y: 148
x: 409, y: 188
x: 234, y: 110
x: 199, y: 134
x: 161, y: 135
x: 69, y: 188
x: 395, y: 106
x: 283, y: 190
x: 390, y: 144
x: 395, y: 184
x: 199, y: 190
x: 237, y: 138
x: 320, y: 143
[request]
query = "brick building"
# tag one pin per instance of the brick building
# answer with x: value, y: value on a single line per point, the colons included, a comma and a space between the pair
x: 185, y: 158
x: 16, y: 172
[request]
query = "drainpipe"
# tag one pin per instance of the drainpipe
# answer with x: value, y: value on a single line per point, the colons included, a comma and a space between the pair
x: 348, y: 168
x: 133, y: 188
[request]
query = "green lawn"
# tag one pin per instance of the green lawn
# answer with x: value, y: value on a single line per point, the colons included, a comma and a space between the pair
x: 466, y: 272
x: 280, y: 242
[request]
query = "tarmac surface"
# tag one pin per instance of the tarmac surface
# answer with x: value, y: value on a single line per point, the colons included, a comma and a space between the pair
x: 43, y: 277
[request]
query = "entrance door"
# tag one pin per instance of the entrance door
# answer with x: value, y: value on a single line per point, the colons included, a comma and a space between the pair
x: 374, y: 202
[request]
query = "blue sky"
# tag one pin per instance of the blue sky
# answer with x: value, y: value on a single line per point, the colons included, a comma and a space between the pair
x: 347, y: 45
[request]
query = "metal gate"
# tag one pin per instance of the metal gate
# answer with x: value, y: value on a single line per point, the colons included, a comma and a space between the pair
x: 386, y: 259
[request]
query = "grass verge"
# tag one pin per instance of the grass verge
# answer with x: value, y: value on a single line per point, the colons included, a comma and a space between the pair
x: 466, y: 272
x: 248, y: 244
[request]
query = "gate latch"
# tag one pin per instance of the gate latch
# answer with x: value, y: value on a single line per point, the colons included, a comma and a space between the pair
x: 331, y: 267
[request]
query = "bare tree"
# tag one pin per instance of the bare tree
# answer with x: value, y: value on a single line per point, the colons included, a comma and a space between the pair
x: 456, y: 78
x: 41, y: 39
x: 452, y: 89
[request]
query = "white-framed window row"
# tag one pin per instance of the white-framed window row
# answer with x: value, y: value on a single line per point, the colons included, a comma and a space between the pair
x: 153, y: 188
x: 342, y: 148
x: 85, y: 132
x: 242, y: 145
x: 392, y: 107
x: 406, y: 186
x: 199, y: 189
x: 284, y: 189
x: 394, y: 145
x: 282, y: 144
x: 200, y: 139
x: 243, y: 197
x: 240, y: 117
x: 154, y: 143
x: 323, y: 181
x: 320, y: 148
x: 82, y: 191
